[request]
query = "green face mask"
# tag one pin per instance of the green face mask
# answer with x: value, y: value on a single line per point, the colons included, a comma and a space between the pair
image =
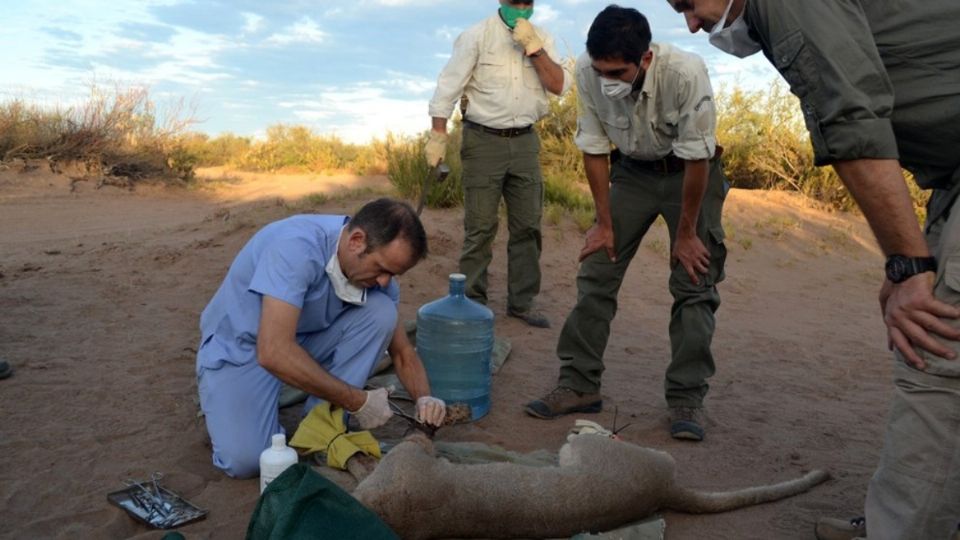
x: 510, y: 14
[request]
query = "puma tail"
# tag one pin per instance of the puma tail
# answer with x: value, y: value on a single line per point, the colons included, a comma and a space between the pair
x: 699, y: 502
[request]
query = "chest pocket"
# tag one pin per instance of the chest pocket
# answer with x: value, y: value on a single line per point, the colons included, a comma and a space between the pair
x: 492, y: 70
x: 530, y: 78
x: 795, y: 62
x: 618, y: 129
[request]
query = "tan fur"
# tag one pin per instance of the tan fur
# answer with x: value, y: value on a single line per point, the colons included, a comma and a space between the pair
x: 599, y: 485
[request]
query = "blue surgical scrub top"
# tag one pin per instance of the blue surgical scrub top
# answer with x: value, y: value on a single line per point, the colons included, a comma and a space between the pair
x: 285, y: 260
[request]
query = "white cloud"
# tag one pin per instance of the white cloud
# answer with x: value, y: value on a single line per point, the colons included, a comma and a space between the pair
x: 253, y: 23
x: 544, y: 14
x: 448, y: 33
x: 360, y: 112
x: 306, y: 30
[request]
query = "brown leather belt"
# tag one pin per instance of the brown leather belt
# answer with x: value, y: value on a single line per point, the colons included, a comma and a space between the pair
x: 506, y: 132
x: 669, y: 164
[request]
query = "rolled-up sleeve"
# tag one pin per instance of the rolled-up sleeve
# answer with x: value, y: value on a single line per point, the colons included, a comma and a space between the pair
x: 455, y: 75
x: 590, y: 137
x: 697, y: 123
x: 825, y: 51
x: 566, y: 64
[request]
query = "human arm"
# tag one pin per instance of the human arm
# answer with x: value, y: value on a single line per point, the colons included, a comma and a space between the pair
x: 600, y: 234
x: 912, y: 314
x: 413, y: 376
x: 279, y: 353
x: 688, y: 249
x: 541, y: 53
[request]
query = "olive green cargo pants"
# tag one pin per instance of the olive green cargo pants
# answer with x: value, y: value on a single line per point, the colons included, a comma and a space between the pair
x: 637, y: 197
x: 507, y: 167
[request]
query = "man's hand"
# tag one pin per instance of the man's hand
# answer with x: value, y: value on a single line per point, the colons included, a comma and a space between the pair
x: 689, y: 251
x: 436, y: 148
x: 375, y: 411
x: 431, y: 410
x: 914, y: 316
x: 598, y: 238
x: 526, y: 35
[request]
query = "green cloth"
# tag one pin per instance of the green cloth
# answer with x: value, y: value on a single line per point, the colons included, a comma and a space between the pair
x: 637, y: 197
x: 302, y: 505
x: 496, y: 167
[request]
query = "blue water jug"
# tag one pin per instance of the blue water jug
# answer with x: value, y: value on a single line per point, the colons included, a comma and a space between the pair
x: 455, y: 341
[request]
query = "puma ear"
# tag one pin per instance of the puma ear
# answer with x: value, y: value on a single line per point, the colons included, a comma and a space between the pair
x: 567, y: 457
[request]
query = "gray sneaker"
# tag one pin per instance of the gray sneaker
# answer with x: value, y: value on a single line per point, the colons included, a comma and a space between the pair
x: 686, y: 423
x: 841, y: 529
x: 562, y: 400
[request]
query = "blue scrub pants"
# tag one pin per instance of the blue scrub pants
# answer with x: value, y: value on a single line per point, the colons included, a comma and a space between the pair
x: 240, y: 401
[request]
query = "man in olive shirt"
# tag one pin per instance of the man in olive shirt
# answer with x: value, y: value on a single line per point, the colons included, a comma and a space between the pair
x: 879, y: 84
x: 655, y: 104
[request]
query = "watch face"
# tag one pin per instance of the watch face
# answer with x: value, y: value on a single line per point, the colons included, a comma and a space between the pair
x: 896, y: 269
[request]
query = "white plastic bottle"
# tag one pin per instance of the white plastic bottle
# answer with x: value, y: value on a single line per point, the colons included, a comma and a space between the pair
x: 275, y: 460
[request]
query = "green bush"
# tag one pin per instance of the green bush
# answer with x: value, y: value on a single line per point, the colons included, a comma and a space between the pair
x: 407, y: 168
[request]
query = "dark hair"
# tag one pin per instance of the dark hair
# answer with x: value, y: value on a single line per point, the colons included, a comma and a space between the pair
x: 383, y: 220
x: 619, y: 33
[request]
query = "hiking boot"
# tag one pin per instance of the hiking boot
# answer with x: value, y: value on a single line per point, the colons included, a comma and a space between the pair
x: 562, y: 400
x: 686, y: 423
x: 841, y: 529
x: 532, y: 317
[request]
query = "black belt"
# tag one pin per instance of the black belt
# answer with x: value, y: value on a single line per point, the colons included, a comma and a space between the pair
x: 506, y: 132
x: 668, y: 164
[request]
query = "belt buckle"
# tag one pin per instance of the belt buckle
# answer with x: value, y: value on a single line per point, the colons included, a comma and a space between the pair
x: 664, y: 166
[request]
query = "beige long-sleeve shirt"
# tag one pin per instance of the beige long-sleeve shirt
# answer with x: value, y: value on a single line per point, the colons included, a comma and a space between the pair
x: 673, y: 112
x: 501, y: 84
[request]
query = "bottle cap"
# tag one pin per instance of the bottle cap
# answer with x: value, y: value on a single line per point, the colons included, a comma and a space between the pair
x: 458, y: 277
x: 279, y: 440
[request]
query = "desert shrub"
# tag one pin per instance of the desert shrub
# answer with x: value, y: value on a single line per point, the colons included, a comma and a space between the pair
x: 407, y: 168
x: 118, y: 131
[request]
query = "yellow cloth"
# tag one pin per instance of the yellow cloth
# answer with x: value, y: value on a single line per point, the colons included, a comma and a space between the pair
x: 323, y: 430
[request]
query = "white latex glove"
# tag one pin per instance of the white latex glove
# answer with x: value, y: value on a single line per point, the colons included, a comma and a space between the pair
x: 431, y: 410
x: 375, y: 411
x: 436, y: 148
x: 526, y: 35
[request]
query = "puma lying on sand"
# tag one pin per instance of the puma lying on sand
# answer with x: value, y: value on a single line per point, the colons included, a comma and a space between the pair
x: 600, y: 484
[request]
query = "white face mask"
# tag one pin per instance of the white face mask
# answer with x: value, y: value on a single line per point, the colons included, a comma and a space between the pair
x: 346, y: 291
x: 617, y: 89
x: 734, y: 39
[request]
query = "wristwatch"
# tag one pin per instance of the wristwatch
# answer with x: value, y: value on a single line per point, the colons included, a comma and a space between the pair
x: 900, y: 268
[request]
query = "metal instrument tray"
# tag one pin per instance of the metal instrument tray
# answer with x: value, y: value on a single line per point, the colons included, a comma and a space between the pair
x: 163, y: 510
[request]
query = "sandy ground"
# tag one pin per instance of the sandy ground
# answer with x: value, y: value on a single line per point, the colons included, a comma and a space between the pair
x: 100, y: 293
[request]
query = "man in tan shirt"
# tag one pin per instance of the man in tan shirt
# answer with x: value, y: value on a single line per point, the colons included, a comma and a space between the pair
x: 654, y: 103
x: 504, y: 69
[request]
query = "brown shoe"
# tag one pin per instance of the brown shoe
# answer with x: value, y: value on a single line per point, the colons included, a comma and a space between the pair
x: 532, y: 317
x: 686, y: 423
x: 562, y: 400
x: 841, y: 529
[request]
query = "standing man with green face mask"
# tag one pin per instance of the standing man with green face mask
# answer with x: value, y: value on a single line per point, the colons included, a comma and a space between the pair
x: 503, y: 68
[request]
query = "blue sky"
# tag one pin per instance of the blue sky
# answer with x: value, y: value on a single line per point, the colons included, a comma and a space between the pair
x: 356, y: 69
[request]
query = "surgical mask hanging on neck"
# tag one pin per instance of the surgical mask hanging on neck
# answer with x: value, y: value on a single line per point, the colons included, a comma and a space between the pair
x: 734, y: 39
x: 617, y: 89
x: 510, y: 14
x: 346, y: 291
